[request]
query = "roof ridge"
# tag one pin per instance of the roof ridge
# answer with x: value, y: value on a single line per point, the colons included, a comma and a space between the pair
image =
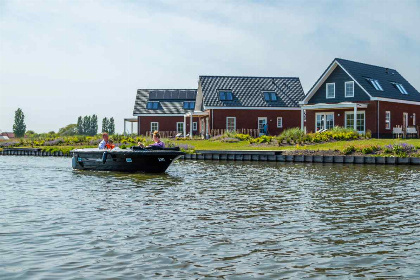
x: 257, y: 77
x: 167, y: 89
x: 337, y: 58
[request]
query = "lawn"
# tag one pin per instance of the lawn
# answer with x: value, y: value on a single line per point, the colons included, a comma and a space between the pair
x: 335, y: 145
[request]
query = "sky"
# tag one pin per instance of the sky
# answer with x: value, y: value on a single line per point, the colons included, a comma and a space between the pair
x: 64, y: 59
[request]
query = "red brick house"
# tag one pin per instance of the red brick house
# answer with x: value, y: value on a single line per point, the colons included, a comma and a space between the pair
x: 164, y: 110
x: 361, y: 96
x: 247, y: 104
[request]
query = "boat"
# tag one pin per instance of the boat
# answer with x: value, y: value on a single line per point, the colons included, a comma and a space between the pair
x: 136, y: 159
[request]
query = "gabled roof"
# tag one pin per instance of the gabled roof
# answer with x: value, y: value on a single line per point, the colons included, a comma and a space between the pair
x: 361, y: 71
x: 171, y: 101
x: 248, y: 91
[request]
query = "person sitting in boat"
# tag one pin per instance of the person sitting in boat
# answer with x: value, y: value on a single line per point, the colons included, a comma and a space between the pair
x: 156, y: 139
x: 110, y: 145
x: 105, y: 138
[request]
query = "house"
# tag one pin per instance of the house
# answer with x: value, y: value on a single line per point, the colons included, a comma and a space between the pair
x: 9, y: 135
x: 253, y: 105
x: 361, y: 96
x: 164, y: 110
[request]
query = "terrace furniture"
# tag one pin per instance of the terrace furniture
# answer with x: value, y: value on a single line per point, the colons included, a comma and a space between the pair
x: 397, y: 131
x: 412, y: 131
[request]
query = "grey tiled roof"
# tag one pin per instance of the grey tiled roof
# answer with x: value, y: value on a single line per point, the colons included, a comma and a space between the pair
x: 248, y: 91
x: 171, y: 100
x: 385, y: 76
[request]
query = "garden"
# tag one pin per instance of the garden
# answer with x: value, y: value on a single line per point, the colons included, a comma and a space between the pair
x: 337, y: 141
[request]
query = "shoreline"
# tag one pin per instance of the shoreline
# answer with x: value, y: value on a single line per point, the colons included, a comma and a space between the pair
x: 255, y: 155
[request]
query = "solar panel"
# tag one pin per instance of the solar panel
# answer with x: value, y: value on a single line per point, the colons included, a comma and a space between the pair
x: 172, y: 94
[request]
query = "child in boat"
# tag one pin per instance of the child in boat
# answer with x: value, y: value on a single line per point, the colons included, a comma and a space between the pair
x: 156, y: 139
x: 110, y: 145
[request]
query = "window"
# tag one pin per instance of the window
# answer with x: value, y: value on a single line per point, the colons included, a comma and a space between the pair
x: 387, y: 120
x: 330, y: 90
x: 270, y: 96
x: 195, y: 126
x: 400, y: 87
x: 375, y: 84
x: 225, y: 95
x: 180, y: 127
x: 414, y: 118
x: 189, y: 105
x: 349, y: 89
x: 324, y: 121
x: 360, y: 121
x: 279, y: 122
x: 152, y: 105
x: 231, y: 123
x: 154, y: 126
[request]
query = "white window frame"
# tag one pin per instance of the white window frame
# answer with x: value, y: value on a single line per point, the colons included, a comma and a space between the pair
x: 182, y: 130
x: 345, y: 89
x: 388, y: 119
x: 151, y: 126
x: 325, y: 118
x: 352, y: 113
x: 326, y: 90
x: 281, y: 122
x: 234, y: 123
x: 195, y: 124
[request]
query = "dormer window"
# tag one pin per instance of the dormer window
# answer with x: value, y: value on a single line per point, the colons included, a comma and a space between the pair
x: 152, y: 105
x: 400, y: 87
x: 225, y: 95
x: 189, y: 105
x: 270, y: 96
x: 375, y: 84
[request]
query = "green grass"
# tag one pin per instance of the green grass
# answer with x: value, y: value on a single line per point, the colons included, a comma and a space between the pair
x: 244, y: 145
x: 337, y: 145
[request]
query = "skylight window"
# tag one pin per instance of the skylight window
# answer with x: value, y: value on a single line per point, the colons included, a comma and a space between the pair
x: 400, y: 87
x: 189, y: 105
x: 152, y: 105
x: 375, y: 84
x: 270, y: 96
x: 225, y: 95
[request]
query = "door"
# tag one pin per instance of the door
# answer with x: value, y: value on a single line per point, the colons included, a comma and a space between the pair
x: 180, y: 127
x: 405, y: 120
x: 262, y: 126
x: 324, y: 121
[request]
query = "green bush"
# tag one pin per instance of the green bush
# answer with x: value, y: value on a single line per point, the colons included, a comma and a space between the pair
x: 349, y: 150
x: 261, y: 139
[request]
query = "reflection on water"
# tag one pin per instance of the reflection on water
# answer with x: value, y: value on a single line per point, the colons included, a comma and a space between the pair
x: 208, y: 220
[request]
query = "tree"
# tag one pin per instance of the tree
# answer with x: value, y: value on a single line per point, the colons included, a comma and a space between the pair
x: 111, y: 126
x: 19, y: 127
x: 80, y: 126
x: 86, y: 125
x: 105, y: 124
x: 93, y: 125
x: 68, y: 130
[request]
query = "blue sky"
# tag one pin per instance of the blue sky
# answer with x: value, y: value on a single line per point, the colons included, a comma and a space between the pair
x: 62, y: 59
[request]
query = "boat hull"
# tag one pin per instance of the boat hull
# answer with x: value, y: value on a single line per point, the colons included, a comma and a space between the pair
x: 147, y: 161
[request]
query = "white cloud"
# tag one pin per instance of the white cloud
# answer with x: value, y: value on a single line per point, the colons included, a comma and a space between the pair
x: 62, y: 59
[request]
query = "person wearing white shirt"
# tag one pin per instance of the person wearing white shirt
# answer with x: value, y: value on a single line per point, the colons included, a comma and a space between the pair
x: 102, y: 144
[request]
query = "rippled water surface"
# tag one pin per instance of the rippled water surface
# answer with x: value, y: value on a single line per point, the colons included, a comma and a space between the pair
x: 207, y: 220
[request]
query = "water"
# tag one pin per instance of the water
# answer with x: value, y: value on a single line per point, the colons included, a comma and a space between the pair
x: 207, y: 220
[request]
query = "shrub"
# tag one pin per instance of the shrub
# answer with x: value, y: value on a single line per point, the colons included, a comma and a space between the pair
x: 293, y: 134
x: 261, y: 139
x: 349, y: 150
